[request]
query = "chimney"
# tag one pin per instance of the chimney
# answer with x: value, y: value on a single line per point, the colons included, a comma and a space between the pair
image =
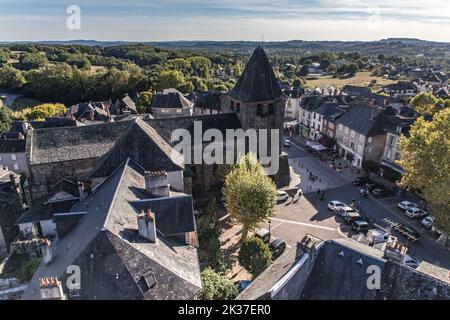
x: 147, y: 225
x: 394, y: 250
x: 51, y: 289
x: 85, y: 188
x: 157, y: 184
x: 46, y: 251
x: 307, y: 245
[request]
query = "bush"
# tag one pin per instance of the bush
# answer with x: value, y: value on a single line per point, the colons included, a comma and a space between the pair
x: 254, y: 256
x: 217, y: 286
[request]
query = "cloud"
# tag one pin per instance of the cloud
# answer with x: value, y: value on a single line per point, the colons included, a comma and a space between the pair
x: 228, y: 19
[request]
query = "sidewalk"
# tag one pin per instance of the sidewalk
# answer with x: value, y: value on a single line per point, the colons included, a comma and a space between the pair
x: 347, y: 173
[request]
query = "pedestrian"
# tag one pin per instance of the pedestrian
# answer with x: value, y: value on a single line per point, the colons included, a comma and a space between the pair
x: 318, y: 192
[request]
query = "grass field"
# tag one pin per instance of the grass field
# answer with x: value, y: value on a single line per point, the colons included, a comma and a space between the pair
x: 360, y: 79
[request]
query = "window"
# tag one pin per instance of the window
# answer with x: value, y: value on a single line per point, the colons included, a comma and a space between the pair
x: 232, y: 105
x: 271, y: 108
x: 13, y: 156
x: 165, y: 110
x: 389, y: 154
x: 0, y: 157
x: 352, y: 145
x: 304, y: 113
x: 259, y: 109
x: 397, y: 156
x: 179, y: 111
x: 352, y: 133
x: 238, y: 107
x: 320, y: 117
x: 346, y: 130
x: 314, y: 116
x: 16, y: 166
x: 361, y: 138
x: 369, y: 140
x: 391, y: 141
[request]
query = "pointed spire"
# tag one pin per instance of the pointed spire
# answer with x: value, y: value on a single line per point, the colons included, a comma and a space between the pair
x: 258, y: 81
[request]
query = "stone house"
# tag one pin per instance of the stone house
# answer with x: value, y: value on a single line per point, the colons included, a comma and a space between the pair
x: 359, y: 134
x: 171, y: 103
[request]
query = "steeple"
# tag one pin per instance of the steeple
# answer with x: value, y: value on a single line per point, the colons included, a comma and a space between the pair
x: 258, y: 81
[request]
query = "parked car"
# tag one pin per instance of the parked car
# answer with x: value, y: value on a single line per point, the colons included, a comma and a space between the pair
x: 360, y: 226
x: 382, y: 192
x: 287, y: 143
x: 375, y: 236
x: 343, y: 212
x: 428, y: 222
x: 277, y: 248
x: 242, y: 284
x: 416, y: 213
x: 263, y: 234
x: 409, y: 233
x: 335, y: 205
x: 351, y: 217
x: 405, y: 205
x: 374, y: 185
x: 411, y: 261
x: 361, y: 181
x: 282, y: 196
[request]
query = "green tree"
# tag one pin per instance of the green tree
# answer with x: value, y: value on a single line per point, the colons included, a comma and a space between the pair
x: 425, y: 103
x: 11, y: 78
x: 5, y: 119
x: 217, y: 286
x: 352, y: 69
x: 220, y: 87
x: 304, y: 71
x: 426, y: 161
x: 144, y: 102
x: 297, y: 82
x: 254, y: 256
x: 249, y: 194
x: 30, y: 61
x: 40, y: 112
x: 170, y: 79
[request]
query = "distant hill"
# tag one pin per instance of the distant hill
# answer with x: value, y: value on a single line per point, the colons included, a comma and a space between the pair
x: 392, y: 46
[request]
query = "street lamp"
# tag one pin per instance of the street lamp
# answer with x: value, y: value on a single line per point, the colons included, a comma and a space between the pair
x: 270, y: 234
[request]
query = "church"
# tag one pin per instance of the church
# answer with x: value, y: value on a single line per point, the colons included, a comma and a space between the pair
x: 87, y: 154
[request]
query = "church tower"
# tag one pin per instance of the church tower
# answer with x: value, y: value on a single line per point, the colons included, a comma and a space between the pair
x: 258, y: 102
x: 257, y: 98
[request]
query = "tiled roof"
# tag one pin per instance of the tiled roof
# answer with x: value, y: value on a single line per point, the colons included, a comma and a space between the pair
x: 170, y: 99
x: 12, y: 145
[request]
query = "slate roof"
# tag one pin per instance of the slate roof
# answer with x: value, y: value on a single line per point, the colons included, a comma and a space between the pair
x: 56, y: 122
x: 363, y: 119
x: 114, y: 259
x: 208, y: 99
x: 93, y: 141
x: 330, y: 111
x: 12, y: 145
x: 312, y: 102
x: 337, y: 275
x: 173, y: 214
x: 258, y: 81
x: 356, y: 90
x: 170, y: 99
x: 58, y: 200
x: 144, y: 145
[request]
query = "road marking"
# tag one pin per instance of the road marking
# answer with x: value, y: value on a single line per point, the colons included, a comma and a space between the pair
x: 304, y: 224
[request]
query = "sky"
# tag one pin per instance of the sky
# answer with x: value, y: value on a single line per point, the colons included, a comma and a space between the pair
x: 271, y: 20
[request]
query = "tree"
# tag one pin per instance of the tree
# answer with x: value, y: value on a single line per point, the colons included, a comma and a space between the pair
x: 352, y: 69
x: 170, y: 79
x: 250, y: 195
x: 304, y: 71
x: 5, y: 119
x: 40, y: 112
x: 425, y: 157
x: 297, y: 82
x: 11, y: 78
x: 30, y: 61
x: 220, y: 87
x: 144, y: 102
x: 425, y: 103
x: 217, y: 286
x: 254, y: 256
